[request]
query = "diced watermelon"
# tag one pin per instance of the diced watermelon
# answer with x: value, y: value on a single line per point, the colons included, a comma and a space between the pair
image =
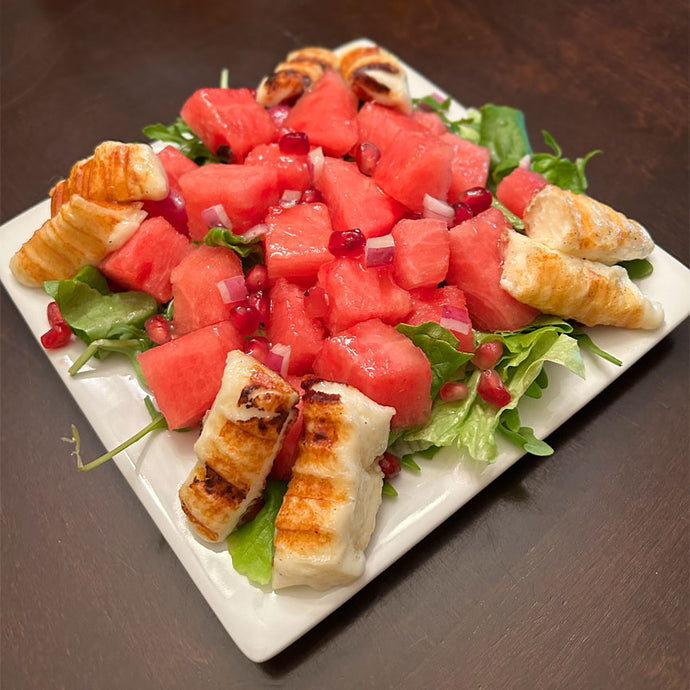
x: 228, y: 117
x: 296, y: 243
x: 356, y: 293
x: 384, y: 365
x: 175, y: 164
x: 327, y: 113
x: 292, y: 169
x: 381, y: 125
x: 475, y: 267
x: 413, y: 165
x: 355, y: 200
x: 290, y: 325
x: 198, y: 302
x: 422, y: 251
x: 147, y: 259
x: 245, y: 191
x: 516, y: 189
x: 185, y: 374
x: 470, y: 166
x: 428, y: 303
x: 430, y: 120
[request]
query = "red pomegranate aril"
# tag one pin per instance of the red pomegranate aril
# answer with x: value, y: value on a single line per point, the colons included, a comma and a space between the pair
x: 390, y: 464
x: 58, y: 336
x: 256, y: 278
x: 477, y: 198
x: 294, y: 143
x: 260, y: 302
x: 452, y: 391
x: 311, y: 196
x: 463, y: 212
x: 367, y: 157
x: 346, y: 242
x: 245, y: 318
x: 257, y: 347
x: 158, y: 329
x: 486, y: 356
x: 492, y: 388
x: 55, y: 318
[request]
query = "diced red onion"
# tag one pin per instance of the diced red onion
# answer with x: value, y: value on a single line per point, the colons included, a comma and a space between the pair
x: 456, y: 319
x: 379, y: 251
x: 258, y: 230
x: 291, y: 197
x: 315, y: 163
x: 438, y: 97
x: 278, y: 359
x: 525, y: 161
x: 216, y: 217
x: 232, y: 290
x: 436, y: 208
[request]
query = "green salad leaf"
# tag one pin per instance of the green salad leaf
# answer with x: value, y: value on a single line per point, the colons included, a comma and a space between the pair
x: 637, y: 268
x: 467, y: 127
x: 250, y: 251
x: 180, y: 134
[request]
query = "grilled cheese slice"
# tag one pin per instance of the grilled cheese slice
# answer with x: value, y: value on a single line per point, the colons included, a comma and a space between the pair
x: 573, y: 288
x: 580, y: 226
x: 240, y: 438
x: 329, y: 510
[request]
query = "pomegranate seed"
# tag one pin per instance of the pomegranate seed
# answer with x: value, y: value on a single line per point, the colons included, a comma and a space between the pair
x: 486, y: 356
x: 315, y: 302
x: 390, y: 464
x: 311, y: 196
x: 477, y: 198
x: 463, y: 212
x: 245, y: 318
x: 452, y: 391
x: 260, y: 302
x: 257, y: 347
x: 55, y: 318
x: 294, y: 143
x: 158, y: 329
x: 367, y: 157
x: 346, y: 242
x: 257, y: 278
x: 58, y: 336
x: 492, y: 388
x: 172, y: 208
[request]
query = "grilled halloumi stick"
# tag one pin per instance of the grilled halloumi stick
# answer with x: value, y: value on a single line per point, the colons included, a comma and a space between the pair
x: 115, y: 172
x: 329, y: 510
x: 375, y: 75
x: 578, y: 225
x: 82, y: 232
x: 291, y: 78
x: 572, y: 288
x: 241, y: 436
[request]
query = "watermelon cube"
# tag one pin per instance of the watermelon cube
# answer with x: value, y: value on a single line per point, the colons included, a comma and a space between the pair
x: 384, y: 365
x: 228, y: 117
x: 357, y: 293
x: 296, y: 243
x: 430, y: 120
x: 355, y: 200
x: 327, y: 114
x: 422, y: 251
x: 175, y: 164
x: 245, y: 192
x: 381, y: 125
x: 185, y: 374
x: 198, y: 301
x: 516, y: 189
x: 146, y: 261
x: 469, y: 167
x: 290, y: 325
x: 292, y: 169
x: 475, y: 267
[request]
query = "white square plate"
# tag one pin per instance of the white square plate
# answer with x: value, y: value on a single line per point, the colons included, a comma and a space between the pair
x: 261, y: 622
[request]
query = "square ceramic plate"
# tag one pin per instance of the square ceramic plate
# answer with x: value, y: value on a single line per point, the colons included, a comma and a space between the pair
x: 261, y: 622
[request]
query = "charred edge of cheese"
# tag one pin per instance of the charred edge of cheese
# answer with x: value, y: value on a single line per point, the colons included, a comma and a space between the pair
x: 573, y: 288
x: 580, y: 226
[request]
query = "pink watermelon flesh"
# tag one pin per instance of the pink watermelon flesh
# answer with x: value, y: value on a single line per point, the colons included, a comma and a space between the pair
x: 355, y: 200
x: 198, y: 302
x: 470, y: 165
x: 327, y: 114
x: 175, y: 164
x: 245, y: 192
x: 145, y: 262
x: 431, y: 122
x: 422, y: 251
x: 382, y: 126
x: 476, y: 266
x: 185, y: 374
x: 228, y: 117
x: 296, y: 243
x: 356, y: 293
x: 516, y: 189
x: 384, y: 365
x: 292, y: 170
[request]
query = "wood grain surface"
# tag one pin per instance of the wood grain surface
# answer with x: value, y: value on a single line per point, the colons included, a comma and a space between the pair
x: 566, y: 572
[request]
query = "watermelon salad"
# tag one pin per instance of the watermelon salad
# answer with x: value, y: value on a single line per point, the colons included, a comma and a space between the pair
x: 339, y: 239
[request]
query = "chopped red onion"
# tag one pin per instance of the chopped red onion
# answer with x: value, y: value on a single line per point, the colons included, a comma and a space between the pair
x: 258, y: 230
x: 436, y: 208
x: 232, y: 290
x: 291, y: 197
x: 379, y: 251
x: 315, y: 163
x: 525, y: 161
x: 278, y: 359
x: 216, y: 217
x: 456, y: 319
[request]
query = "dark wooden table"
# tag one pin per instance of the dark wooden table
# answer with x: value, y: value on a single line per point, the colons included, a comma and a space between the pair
x: 567, y: 572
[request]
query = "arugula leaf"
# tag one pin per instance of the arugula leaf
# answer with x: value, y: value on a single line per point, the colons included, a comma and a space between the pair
x: 588, y: 344
x: 250, y: 251
x: 89, y: 275
x: 522, y: 436
x: 388, y: 489
x: 180, y: 134
x: 466, y: 127
x: 637, y: 268
x: 251, y: 544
